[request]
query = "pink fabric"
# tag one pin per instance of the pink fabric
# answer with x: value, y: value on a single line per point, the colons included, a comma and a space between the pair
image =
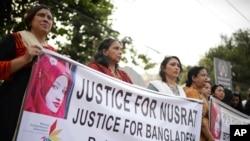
x: 215, y: 112
x: 45, y: 72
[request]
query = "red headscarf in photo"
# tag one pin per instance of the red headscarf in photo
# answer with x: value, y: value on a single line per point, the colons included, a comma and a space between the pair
x: 45, y: 72
x: 215, y: 112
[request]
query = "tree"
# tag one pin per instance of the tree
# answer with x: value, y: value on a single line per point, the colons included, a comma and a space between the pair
x: 235, y: 49
x: 80, y: 25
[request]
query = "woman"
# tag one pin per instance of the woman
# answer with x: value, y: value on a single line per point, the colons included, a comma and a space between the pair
x: 17, y: 51
x: 107, y: 58
x: 170, y: 70
x: 206, y: 90
x: 236, y: 102
x: 218, y: 91
x: 48, y: 88
x: 196, y: 80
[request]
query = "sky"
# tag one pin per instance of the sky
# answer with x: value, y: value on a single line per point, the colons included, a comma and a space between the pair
x: 184, y: 28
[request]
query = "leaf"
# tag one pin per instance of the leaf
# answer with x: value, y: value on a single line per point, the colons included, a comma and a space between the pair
x: 55, y: 133
x: 54, y: 138
x: 52, y: 127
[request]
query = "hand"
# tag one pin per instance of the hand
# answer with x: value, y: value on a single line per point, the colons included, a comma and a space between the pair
x: 31, y: 52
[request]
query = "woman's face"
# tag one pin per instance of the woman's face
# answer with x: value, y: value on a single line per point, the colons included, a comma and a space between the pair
x: 235, y: 101
x: 114, y: 52
x: 42, y: 22
x: 55, y: 95
x: 219, y: 93
x: 172, y: 68
x: 206, y: 90
x: 201, y: 79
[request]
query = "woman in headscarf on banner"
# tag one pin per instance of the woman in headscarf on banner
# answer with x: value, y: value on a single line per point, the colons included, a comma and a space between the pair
x: 216, y: 122
x: 196, y: 80
x: 106, y: 60
x: 17, y: 50
x: 170, y: 70
x: 48, y: 87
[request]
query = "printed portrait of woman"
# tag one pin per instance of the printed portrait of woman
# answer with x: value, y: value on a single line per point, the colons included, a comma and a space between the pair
x: 223, y: 69
x: 48, y: 88
x: 216, y: 122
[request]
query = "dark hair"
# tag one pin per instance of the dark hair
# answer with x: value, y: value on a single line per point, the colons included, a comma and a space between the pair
x: 228, y: 96
x: 163, y: 66
x: 194, y: 71
x: 30, y: 14
x: 240, y: 105
x: 214, y: 87
x: 99, y: 57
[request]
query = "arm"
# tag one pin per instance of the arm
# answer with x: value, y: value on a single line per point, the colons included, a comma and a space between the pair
x: 206, y: 132
x: 14, y: 56
x: 20, y: 62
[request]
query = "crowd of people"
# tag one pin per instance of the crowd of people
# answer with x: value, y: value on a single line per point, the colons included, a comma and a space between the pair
x: 19, y: 50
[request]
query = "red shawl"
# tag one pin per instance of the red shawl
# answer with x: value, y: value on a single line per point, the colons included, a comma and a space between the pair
x: 123, y: 75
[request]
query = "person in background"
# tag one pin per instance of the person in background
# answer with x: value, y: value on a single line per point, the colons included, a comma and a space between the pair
x: 196, y: 80
x: 228, y: 96
x: 49, y: 87
x: 236, y: 102
x: 206, y: 90
x: 106, y: 60
x: 217, y: 91
x: 17, y: 50
x: 170, y: 70
x: 245, y: 100
x: 247, y: 105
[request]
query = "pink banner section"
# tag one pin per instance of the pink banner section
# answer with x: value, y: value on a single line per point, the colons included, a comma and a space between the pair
x: 222, y: 117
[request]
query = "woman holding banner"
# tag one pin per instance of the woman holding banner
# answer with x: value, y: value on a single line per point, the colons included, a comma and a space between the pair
x: 48, y: 87
x: 106, y: 60
x: 17, y: 50
x: 196, y: 80
x: 170, y: 70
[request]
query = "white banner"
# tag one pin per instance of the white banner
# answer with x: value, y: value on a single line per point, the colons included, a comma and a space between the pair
x: 102, y: 108
x: 222, y: 116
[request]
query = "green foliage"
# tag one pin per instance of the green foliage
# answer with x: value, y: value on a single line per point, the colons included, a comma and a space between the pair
x: 208, y: 63
x: 79, y: 27
x: 235, y: 49
x: 136, y: 59
x: 183, y: 75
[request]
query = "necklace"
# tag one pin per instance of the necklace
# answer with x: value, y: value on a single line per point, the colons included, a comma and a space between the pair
x: 174, y: 89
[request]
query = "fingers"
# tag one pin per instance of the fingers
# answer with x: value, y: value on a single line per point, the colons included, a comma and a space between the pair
x: 34, y: 50
x: 31, y: 52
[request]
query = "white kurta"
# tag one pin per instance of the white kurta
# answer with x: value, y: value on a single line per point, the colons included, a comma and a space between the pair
x: 163, y: 87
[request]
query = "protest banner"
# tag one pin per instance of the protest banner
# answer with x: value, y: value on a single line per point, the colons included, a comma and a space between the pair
x: 222, y: 116
x: 101, y: 108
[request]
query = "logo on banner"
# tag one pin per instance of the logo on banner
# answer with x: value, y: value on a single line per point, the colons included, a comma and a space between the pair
x: 53, y: 133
